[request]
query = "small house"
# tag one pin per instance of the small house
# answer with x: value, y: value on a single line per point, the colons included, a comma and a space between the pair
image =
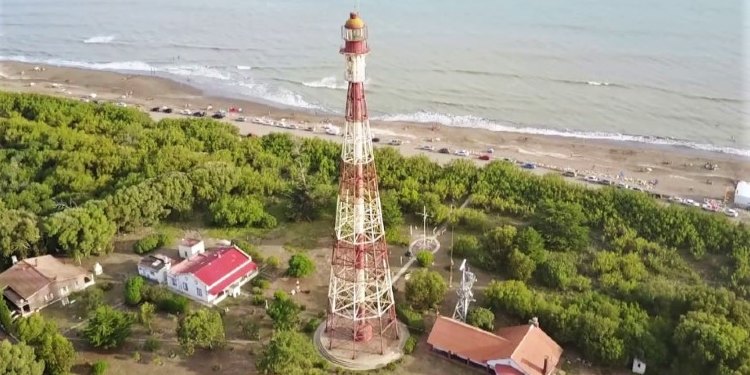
x: 155, y: 267
x: 190, y: 247
x: 34, y: 283
x: 742, y: 194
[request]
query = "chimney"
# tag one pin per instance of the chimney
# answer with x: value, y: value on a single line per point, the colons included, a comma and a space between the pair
x: 534, y: 322
x: 14, y: 259
x: 546, y: 365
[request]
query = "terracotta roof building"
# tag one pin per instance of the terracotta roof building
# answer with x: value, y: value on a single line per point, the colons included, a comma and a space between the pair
x: 34, y: 283
x: 517, y: 350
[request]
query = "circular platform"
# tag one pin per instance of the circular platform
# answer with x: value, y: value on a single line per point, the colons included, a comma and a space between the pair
x: 368, y: 356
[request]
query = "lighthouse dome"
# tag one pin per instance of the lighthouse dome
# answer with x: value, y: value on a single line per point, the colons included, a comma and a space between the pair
x: 354, y: 22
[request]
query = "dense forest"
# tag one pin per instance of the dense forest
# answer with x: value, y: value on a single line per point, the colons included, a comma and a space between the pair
x: 612, y: 273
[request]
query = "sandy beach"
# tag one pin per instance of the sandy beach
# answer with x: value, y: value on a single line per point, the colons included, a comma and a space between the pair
x: 679, y: 171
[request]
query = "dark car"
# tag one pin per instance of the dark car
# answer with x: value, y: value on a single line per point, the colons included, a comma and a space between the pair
x: 218, y: 115
x: 569, y: 174
x: 376, y: 140
x: 156, y: 109
x: 444, y: 151
x: 199, y: 114
x: 167, y: 110
x: 484, y: 157
x: 529, y: 166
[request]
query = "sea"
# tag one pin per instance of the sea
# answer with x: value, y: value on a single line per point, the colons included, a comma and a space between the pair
x: 656, y: 71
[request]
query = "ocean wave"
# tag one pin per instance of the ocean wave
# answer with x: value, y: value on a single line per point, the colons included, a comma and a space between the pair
x: 132, y: 66
x: 327, y: 82
x: 243, y: 67
x: 481, y: 123
x: 277, y: 95
x: 99, y: 39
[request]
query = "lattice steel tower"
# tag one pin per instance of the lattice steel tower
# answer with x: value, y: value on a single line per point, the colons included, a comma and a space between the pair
x: 360, y: 294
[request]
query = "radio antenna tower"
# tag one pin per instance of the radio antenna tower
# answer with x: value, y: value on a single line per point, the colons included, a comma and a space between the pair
x: 465, y: 295
x: 360, y: 291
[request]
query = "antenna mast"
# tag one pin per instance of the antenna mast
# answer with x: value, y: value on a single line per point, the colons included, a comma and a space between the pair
x: 465, y: 295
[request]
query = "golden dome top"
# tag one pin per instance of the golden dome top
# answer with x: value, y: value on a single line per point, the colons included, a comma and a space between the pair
x: 354, y: 22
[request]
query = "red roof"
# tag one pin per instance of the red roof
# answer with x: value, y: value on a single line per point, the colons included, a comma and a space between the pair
x: 221, y: 267
x: 247, y: 269
x: 526, y: 345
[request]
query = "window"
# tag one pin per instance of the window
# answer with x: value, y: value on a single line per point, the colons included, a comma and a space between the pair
x: 174, y: 281
x: 199, y: 292
x: 184, y: 286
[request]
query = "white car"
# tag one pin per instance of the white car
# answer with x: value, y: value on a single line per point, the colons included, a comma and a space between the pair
x: 428, y: 147
x: 731, y: 213
x: 591, y: 178
x: 490, y: 150
x: 462, y: 153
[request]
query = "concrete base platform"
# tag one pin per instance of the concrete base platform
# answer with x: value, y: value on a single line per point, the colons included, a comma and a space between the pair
x: 368, y: 355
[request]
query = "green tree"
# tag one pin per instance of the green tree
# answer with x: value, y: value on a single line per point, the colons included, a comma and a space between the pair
x: 242, y: 211
x: 146, y: 314
x: 92, y: 298
x: 520, y: 266
x: 562, y: 225
x: 50, y: 347
x: 107, y: 328
x: 300, y: 265
x: 19, y: 359
x: 284, y: 312
x: 202, y: 328
x: 482, y: 318
x: 290, y: 353
x: 510, y: 296
x: 6, y: 321
x: 557, y: 272
x: 707, y: 343
x: 133, y: 290
x: 466, y: 247
x: 19, y: 233
x: 392, y: 216
x: 80, y: 232
x: 425, y: 258
x: 99, y: 367
x: 425, y: 289
x: 531, y: 243
x: 150, y: 243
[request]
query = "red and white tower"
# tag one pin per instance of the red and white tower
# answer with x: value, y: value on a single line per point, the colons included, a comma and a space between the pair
x: 360, y: 293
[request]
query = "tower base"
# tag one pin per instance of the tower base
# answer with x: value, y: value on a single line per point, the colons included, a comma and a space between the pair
x: 368, y: 355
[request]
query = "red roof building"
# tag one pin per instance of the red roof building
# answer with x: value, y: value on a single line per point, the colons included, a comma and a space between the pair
x: 212, y: 276
x: 517, y: 350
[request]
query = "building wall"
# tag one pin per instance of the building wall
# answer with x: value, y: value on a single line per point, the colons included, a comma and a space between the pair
x: 189, y: 285
x: 742, y: 194
x: 58, y: 290
x: 158, y: 276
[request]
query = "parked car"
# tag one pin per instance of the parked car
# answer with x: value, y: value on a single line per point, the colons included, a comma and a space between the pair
x: 167, y: 110
x: 218, y: 115
x: 240, y: 119
x: 444, y: 151
x: 569, y: 173
x: 490, y: 150
x: 376, y: 140
x: 199, y: 114
x: 427, y: 147
x: 529, y: 166
x: 395, y: 142
x: 462, y: 153
x: 591, y: 178
x: 156, y: 109
x: 731, y: 213
x: 484, y: 157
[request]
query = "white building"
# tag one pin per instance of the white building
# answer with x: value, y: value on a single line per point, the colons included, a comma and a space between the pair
x: 155, y: 267
x: 190, y: 247
x: 210, y: 277
x: 742, y: 194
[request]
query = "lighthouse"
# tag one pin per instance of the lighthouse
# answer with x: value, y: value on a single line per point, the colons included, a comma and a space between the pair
x: 361, y: 309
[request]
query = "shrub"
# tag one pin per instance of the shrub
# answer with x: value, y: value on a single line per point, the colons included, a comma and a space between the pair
x: 151, y: 345
x: 300, y: 265
x: 312, y: 325
x: 150, y: 243
x: 483, y: 318
x: 425, y: 258
x: 411, y: 318
x: 261, y: 283
x: 259, y: 300
x: 250, y: 329
x: 99, y: 367
x: 410, y: 345
x: 174, y: 305
x: 133, y: 290
x: 273, y: 262
x: 248, y: 248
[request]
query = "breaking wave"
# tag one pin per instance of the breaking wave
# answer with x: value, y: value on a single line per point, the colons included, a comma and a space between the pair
x: 99, y: 39
x: 481, y: 123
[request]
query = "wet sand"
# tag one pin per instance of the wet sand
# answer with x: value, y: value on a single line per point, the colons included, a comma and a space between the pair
x: 679, y: 171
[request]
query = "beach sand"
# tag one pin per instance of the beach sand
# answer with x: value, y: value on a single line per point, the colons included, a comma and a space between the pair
x: 680, y: 171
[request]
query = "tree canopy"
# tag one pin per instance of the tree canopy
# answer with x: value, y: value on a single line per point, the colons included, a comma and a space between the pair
x: 290, y: 353
x: 107, y: 328
x: 425, y: 289
x: 19, y: 359
x: 203, y: 329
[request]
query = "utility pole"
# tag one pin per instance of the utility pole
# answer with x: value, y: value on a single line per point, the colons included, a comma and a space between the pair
x: 450, y: 278
x: 424, y: 226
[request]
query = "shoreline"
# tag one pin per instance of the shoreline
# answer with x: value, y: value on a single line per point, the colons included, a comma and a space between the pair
x: 678, y: 169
